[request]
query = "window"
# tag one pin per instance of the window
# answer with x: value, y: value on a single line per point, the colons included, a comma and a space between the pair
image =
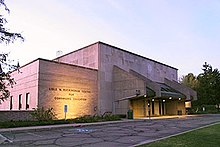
x: 11, y: 103
x: 19, y: 100
x: 27, y: 100
x: 152, y: 103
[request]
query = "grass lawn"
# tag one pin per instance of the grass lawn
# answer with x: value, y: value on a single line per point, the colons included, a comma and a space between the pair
x: 205, y: 137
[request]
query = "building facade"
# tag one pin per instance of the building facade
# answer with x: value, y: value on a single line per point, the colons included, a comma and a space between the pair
x: 96, y: 79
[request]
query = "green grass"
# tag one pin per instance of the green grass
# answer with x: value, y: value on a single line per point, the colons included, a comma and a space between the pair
x: 205, y: 137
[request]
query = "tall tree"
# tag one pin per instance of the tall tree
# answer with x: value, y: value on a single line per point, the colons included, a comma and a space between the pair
x: 190, y: 80
x: 6, y: 37
x: 209, y: 85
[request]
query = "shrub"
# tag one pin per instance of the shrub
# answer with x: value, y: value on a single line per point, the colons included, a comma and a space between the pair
x: 122, y: 115
x: 209, y: 109
x: 42, y: 114
x: 96, y: 118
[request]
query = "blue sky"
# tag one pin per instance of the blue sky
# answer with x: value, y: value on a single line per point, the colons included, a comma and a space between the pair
x: 181, y: 33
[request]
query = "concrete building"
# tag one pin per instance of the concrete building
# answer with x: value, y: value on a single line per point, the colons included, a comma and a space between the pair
x: 96, y: 79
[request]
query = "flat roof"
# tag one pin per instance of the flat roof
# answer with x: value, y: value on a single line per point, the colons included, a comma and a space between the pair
x: 52, y: 61
x: 99, y: 42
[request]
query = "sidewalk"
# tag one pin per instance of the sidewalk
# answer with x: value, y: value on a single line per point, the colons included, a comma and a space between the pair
x: 89, y: 124
x: 65, y: 125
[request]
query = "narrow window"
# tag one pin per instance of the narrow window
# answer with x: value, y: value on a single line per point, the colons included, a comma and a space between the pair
x: 20, y: 104
x: 160, y: 107
x: 11, y: 103
x: 27, y: 100
x: 152, y: 103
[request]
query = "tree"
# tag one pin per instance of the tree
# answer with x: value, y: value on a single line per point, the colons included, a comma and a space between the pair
x: 190, y: 80
x: 6, y: 37
x: 209, y: 86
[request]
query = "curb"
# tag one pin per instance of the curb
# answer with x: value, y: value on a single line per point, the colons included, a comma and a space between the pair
x: 49, y: 127
x: 86, y: 124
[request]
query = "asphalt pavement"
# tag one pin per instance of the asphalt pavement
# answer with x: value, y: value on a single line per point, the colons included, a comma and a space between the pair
x: 125, y: 133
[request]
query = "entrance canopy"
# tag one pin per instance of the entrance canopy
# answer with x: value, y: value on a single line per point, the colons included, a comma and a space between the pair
x: 133, y: 85
x: 167, y: 91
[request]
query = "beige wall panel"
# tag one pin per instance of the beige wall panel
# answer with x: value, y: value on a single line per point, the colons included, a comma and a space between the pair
x: 86, y: 57
x: 125, y: 85
x: 138, y: 108
x: 156, y: 108
x: 72, y: 86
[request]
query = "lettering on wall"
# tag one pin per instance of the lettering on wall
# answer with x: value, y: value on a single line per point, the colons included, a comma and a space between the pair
x: 67, y: 98
x: 72, y: 91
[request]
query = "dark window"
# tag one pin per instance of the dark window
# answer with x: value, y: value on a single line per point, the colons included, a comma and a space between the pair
x: 152, y: 103
x: 19, y: 99
x: 11, y: 103
x: 163, y: 107
x: 159, y: 107
x: 27, y: 100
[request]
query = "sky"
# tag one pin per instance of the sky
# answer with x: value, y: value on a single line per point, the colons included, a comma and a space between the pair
x: 181, y: 33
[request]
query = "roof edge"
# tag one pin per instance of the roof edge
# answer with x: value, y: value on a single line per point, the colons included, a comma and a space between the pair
x: 52, y: 61
x: 136, y: 54
x: 100, y: 42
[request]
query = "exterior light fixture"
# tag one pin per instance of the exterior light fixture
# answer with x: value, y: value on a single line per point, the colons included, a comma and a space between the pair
x: 170, y: 98
x: 179, y: 98
x: 164, y: 100
x: 145, y: 95
x: 138, y: 92
x: 152, y: 100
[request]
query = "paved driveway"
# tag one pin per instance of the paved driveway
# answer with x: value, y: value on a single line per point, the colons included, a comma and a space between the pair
x: 108, y: 135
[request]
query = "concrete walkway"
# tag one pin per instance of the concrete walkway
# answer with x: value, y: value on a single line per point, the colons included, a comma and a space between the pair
x: 90, y: 124
x: 110, y: 134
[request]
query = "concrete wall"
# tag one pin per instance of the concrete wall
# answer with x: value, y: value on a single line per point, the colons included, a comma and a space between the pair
x: 125, y: 85
x: 86, y: 57
x: 26, y: 82
x: 62, y: 84
x: 172, y: 107
x: 15, y: 115
x: 110, y: 56
x: 156, y: 108
x: 138, y: 108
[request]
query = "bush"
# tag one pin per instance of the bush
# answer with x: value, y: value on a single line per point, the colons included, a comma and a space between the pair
x: 39, y: 114
x: 96, y: 118
x: 209, y: 109
x: 122, y: 115
x: 110, y: 117
x: 42, y: 114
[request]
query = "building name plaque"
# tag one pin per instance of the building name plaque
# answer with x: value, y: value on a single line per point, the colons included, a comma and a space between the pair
x: 69, y: 90
x: 71, y: 99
